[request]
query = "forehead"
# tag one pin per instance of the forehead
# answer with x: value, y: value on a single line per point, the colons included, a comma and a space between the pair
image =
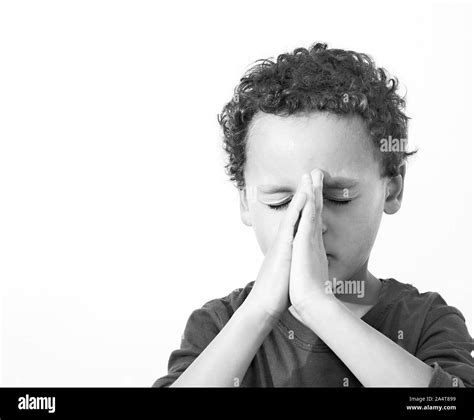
x: 282, y: 148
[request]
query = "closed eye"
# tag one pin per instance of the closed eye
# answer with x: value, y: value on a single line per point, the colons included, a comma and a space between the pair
x: 338, y: 202
x: 280, y: 206
x: 285, y: 204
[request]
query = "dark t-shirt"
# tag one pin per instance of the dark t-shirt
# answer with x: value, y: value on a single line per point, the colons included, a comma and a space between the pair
x: 292, y: 355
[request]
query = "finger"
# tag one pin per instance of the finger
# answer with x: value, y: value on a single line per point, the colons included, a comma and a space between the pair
x: 289, y: 222
x: 308, y: 216
x: 317, y: 177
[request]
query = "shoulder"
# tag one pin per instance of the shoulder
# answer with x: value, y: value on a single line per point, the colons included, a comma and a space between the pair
x: 419, y: 314
x: 408, y: 299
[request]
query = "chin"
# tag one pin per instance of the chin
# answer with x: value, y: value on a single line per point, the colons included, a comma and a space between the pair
x: 334, y: 271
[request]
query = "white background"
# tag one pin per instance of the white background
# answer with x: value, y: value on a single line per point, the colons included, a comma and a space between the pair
x: 116, y: 216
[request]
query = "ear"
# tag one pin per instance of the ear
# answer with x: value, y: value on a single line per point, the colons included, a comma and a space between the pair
x: 244, y: 207
x: 394, y: 192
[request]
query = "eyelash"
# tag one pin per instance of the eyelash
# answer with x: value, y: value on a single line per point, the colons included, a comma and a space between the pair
x: 284, y: 205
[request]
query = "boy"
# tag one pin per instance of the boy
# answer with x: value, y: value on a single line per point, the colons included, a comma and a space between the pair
x: 306, y: 137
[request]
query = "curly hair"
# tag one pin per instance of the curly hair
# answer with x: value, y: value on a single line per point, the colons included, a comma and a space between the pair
x: 316, y: 79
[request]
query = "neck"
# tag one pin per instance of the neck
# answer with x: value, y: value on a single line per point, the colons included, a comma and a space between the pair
x: 362, y: 288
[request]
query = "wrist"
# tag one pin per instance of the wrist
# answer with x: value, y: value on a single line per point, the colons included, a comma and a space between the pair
x: 253, y: 310
x: 316, y: 305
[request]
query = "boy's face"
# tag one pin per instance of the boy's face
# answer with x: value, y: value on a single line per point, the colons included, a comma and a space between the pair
x: 281, y: 149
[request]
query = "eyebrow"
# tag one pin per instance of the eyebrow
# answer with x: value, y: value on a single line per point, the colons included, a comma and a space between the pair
x: 329, y: 182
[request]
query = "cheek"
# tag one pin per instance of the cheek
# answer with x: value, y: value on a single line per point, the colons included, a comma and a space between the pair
x: 265, y: 223
x: 359, y: 227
